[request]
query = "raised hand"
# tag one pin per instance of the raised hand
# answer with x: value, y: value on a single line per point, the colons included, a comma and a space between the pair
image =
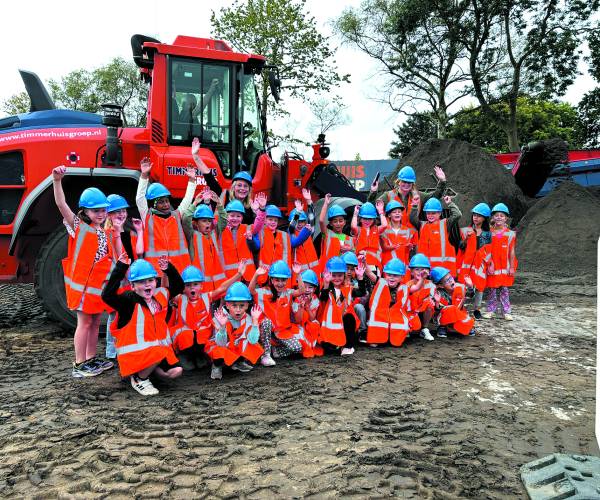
x: 137, y: 224
x: 380, y: 206
x: 326, y: 279
x: 163, y: 262
x: 356, y: 209
x: 447, y: 199
x: 242, y: 266
x: 309, y: 227
x: 362, y: 257
x: 468, y: 281
x: 124, y: 258
x: 262, y: 199
x: 206, y: 195
x: 360, y: 270
x: 439, y: 173
x: 221, y: 317
x: 306, y: 195
x: 262, y: 270
x: 374, y: 186
x: 195, y: 146
x: 59, y: 172
x: 145, y: 166
x: 346, y: 246
x: 190, y: 171
x: 298, y: 206
x: 254, y: 205
x: 256, y: 313
x: 327, y: 199
x: 296, y: 267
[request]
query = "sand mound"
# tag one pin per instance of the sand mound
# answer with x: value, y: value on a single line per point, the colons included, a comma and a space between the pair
x: 471, y: 172
x: 560, y: 232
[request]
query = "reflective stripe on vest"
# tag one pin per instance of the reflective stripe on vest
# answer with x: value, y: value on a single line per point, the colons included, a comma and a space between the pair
x: 443, y: 239
x: 199, y: 255
x: 405, y: 233
x: 379, y: 288
x: 328, y: 323
x: 151, y: 250
x: 505, y: 270
x: 285, y: 252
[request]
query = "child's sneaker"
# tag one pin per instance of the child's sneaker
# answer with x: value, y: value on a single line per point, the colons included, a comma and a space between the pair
x: 442, y: 332
x: 487, y: 315
x: 267, y: 360
x: 477, y: 314
x: 508, y: 316
x: 246, y: 365
x: 425, y: 334
x: 102, y: 363
x: 347, y: 351
x: 240, y: 367
x: 85, y: 369
x: 472, y: 333
x: 216, y: 372
x: 143, y: 386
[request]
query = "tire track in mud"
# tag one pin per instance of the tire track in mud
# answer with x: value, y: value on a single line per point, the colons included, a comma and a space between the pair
x: 401, y: 422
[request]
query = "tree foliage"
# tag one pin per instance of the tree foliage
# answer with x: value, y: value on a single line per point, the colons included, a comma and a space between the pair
x: 589, y: 106
x: 418, y: 128
x: 417, y: 49
x: 16, y: 104
x: 327, y: 115
x: 287, y: 36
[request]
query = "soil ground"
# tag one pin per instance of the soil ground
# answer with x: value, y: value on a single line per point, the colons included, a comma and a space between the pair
x: 453, y: 418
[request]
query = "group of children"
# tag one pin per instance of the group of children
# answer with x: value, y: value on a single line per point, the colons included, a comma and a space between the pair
x: 216, y: 280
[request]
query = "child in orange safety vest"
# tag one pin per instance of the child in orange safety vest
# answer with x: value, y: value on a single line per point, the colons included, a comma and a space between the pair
x: 421, y: 301
x: 191, y: 324
x: 366, y: 232
x: 434, y: 233
x: 501, y: 263
x: 398, y: 240
x: 389, y: 320
x: 86, y: 269
x: 142, y: 336
x: 163, y: 233
x: 339, y: 323
x: 305, y: 254
x: 305, y: 309
x: 235, y: 338
x: 449, y: 302
x: 279, y: 335
x: 334, y: 242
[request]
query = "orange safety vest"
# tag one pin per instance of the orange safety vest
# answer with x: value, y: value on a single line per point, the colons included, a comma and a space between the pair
x: 435, y: 245
x: 454, y: 315
x: 164, y: 236
x: 368, y: 240
x: 331, y: 317
x: 145, y: 339
x: 312, y: 330
x: 465, y: 258
x: 422, y: 299
x: 237, y: 344
x: 274, y: 245
x: 306, y: 255
x: 207, y: 258
x: 331, y: 246
x: 84, y: 278
x: 189, y: 318
x: 478, y: 272
x: 236, y: 250
x: 500, y: 250
x: 392, y: 195
x: 388, y: 322
x: 404, y: 237
x: 279, y: 312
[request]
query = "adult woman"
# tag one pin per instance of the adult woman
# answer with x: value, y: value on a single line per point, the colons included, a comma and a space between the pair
x: 406, y: 192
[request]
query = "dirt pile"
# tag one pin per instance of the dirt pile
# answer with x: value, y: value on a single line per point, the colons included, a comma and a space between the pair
x: 560, y: 232
x: 472, y: 172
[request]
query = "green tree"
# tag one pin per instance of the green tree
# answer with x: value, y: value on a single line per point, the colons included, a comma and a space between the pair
x: 529, y: 46
x: 536, y: 120
x: 16, y: 104
x: 589, y: 106
x: 418, y: 128
x: 283, y: 32
x: 417, y: 47
x: 118, y: 82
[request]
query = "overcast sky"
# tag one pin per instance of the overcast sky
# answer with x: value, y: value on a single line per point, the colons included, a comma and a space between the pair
x: 54, y: 38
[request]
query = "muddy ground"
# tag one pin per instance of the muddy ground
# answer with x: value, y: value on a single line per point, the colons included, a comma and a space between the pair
x: 453, y: 418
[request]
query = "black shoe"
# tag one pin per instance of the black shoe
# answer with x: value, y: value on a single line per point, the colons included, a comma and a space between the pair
x: 442, y: 332
x: 472, y: 333
x: 477, y: 314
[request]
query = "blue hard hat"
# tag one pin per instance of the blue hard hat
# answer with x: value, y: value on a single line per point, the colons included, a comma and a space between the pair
x: 280, y: 269
x: 93, y: 198
x: 432, y: 205
x: 243, y: 176
x: 407, y: 174
x: 419, y: 260
x: 203, y: 212
x: 301, y: 215
x: 350, y: 258
x: 336, y: 265
x: 235, y: 206
x: 238, y: 292
x: 393, y: 205
x: 310, y: 277
x: 395, y: 266
x: 368, y: 211
x: 273, y: 211
x: 141, y: 270
x: 438, y: 273
x: 482, y: 209
x: 192, y: 274
x: 116, y: 202
x: 335, y: 211
x: 500, y: 207
x: 156, y: 190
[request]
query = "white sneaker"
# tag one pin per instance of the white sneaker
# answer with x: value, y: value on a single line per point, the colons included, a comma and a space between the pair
x: 508, y: 317
x: 426, y: 334
x: 373, y: 345
x: 267, y: 360
x: 216, y: 372
x: 347, y: 351
x: 487, y: 315
x: 144, y: 387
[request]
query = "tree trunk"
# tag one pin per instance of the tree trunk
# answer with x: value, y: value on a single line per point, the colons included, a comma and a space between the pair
x: 442, y: 124
x: 513, y: 138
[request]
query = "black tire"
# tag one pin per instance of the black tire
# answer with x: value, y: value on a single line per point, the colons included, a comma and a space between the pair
x: 49, y: 279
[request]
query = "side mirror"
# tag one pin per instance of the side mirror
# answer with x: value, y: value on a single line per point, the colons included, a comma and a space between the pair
x: 274, y: 85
